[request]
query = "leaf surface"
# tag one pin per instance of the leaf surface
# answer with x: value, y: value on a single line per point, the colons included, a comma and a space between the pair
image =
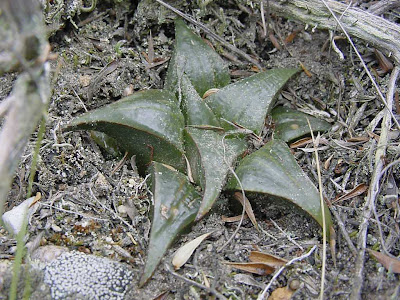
x: 291, y: 124
x: 106, y: 142
x: 176, y: 203
x: 209, y: 162
x: 248, y: 101
x: 196, y: 110
x: 147, y: 124
x: 273, y: 170
x: 204, y: 67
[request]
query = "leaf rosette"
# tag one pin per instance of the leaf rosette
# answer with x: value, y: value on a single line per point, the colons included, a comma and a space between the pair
x: 185, y: 140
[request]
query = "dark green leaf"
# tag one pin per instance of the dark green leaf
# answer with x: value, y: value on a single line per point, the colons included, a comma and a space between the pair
x: 209, y: 162
x: 198, y: 60
x: 176, y: 203
x: 106, y: 142
x: 147, y: 124
x: 272, y: 170
x: 196, y: 111
x: 248, y: 101
x: 292, y: 124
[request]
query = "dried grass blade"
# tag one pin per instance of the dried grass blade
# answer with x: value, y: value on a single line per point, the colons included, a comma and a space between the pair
x: 358, y: 139
x: 210, y: 92
x: 306, y: 71
x: 332, y: 243
x: 249, y: 211
x: 233, y: 219
x: 357, y: 191
x: 384, y: 63
x: 162, y: 296
x: 291, y: 36
x: 301, y: 143
x: 252, y: 267
x: 390, y: 264
x: 274, y: 41
x: 183, y: 254
x: 150, y: 43
x: 396, y: 102
x: 266, y: 258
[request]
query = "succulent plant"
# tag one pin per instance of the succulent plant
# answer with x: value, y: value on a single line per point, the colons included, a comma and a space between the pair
x: 186, y: 141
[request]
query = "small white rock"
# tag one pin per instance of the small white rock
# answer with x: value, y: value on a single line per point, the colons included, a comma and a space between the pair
x: 122, y: 210
x: 101, y: 184
x: 48, y: 253
x: 14, y: 218
x: 307, y: 36
x: 131, y: 183
x: 56, y: 228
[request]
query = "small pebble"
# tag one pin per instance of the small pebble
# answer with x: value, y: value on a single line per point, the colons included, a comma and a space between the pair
x: 84, y: 80
x: 48, y: 253
x: 14, y: 218
x: 123, y: 211
x: 56, y: 228
x: 294, y: 284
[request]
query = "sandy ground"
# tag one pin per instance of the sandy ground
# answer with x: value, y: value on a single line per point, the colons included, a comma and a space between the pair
x: 81, y: 193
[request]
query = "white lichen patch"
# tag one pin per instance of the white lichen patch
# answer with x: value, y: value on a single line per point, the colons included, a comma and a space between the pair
x: 88, y: 276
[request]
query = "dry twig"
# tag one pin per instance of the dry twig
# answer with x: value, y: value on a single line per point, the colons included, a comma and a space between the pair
x: 31, y: 90
x: 277, y: 273
x: 195, y: 283
x: 212, y: 34
x: 375, y: 30
x: 321, y: 197
x: 286, y: 235
x: 382, y: 98
x: 343, y: 230
x: 373, y: 190
x: 243, y: 195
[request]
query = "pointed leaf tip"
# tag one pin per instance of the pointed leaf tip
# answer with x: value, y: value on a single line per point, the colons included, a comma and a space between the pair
x: 176, y: 203
x: 192, y: 56
x: 248, y: 101
x: 196, y: 111
x: 273, y: 170
x: 291, y: 124
x: 209, y: 162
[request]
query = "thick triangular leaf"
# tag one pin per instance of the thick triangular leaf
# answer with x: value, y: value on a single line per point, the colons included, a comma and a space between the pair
x: 147, y: 124
x: 272, y: 170
x: 291, y: 124
x: 204, y: 67
x: 205, y: 152
x: 248, y: 101
x: 176, y: 203
x: 195, y: 109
